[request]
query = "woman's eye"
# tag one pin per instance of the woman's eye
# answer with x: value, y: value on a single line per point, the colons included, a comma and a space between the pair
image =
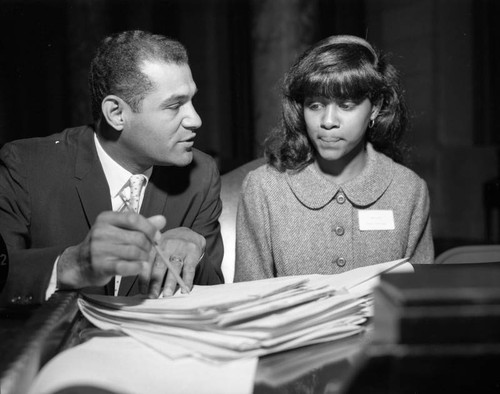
x: 314, y: 106
x: 347, y: 105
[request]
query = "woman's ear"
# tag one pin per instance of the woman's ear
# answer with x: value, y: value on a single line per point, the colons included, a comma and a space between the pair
x: 113, y: 110
x: 376, y: 107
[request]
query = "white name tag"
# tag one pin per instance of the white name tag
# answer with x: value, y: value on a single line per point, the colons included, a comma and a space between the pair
x: 376, y: 219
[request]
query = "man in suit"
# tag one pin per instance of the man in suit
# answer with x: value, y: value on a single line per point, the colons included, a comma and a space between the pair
x: 64, y: 211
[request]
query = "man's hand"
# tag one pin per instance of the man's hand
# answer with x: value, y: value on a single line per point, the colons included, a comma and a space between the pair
x: 117, y: 244
x: 184, y: 248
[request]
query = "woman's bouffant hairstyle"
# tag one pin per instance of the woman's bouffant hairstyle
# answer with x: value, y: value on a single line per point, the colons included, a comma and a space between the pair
x: 116, y: 67
x: 340, y: 68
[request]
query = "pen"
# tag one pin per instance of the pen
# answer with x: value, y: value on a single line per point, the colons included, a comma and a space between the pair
x: 171, y: 268
x: 166, y: 261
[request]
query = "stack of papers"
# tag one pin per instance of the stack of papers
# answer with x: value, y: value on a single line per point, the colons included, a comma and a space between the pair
x: 247, y: 319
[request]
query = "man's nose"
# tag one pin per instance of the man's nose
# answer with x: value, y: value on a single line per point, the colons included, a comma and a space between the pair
x: 192, y: 120
x: 330, y: 118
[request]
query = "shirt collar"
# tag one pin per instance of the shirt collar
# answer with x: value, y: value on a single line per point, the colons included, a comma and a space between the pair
x: 315, y: 191
x: 116, y: 175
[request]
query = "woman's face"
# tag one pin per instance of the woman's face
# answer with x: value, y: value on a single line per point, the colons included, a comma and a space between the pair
x: 337, y: 128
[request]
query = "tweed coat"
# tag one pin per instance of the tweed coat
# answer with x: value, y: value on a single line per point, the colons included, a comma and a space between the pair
x: 294, y: 223
x: 53, y: 188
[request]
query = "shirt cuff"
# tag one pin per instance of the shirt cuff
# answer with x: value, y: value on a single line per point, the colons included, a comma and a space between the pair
x: 53, y: 281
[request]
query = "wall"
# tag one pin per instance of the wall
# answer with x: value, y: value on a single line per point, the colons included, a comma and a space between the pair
x: 48, y: 45
x: 240, y: 50
x: 433, y: 45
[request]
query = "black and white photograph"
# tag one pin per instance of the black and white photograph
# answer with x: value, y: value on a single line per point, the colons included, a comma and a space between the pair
x: 249, y: 196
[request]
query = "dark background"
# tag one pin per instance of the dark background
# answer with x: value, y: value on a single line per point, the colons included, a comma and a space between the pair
x: 446, y: 51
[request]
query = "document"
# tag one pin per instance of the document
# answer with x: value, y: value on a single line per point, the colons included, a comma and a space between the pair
x: 121, y: 365
x: 249, y: 319
x: 210, y: 340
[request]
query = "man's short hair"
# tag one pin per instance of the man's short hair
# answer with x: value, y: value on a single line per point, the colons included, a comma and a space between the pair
x: 116, y: 67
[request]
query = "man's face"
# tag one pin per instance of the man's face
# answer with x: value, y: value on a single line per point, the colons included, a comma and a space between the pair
x: 163, y: 131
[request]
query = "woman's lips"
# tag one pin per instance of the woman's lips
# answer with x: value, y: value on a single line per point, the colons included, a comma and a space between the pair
x: 330, y: 139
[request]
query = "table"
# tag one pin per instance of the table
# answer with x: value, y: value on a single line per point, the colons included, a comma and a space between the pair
x: 31, y: 337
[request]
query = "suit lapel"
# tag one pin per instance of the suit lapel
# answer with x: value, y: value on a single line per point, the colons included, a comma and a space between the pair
x: 155, y: 199
x: 91, y: 183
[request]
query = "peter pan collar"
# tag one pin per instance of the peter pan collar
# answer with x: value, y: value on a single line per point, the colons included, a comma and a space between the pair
x: 314, y: 191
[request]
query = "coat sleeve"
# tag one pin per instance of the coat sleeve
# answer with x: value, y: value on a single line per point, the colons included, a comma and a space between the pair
x: 420, y: 247
x: 254, y: 258
x: 207, y: 224
x: 29, y: 268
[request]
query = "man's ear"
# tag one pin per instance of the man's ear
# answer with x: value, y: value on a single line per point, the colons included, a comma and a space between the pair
x: 113, y: 111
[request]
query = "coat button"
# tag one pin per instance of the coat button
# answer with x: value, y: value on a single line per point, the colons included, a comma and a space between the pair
x: 340, y: 198
x: 339, y: 230
x: 341, y: 261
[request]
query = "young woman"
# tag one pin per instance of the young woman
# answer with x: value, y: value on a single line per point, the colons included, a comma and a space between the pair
x: 333, y: 195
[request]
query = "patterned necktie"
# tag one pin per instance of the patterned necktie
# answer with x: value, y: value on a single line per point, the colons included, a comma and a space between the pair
x: 136, y: 183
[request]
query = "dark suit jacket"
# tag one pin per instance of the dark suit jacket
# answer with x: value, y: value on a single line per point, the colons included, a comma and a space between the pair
x: 53, y: 188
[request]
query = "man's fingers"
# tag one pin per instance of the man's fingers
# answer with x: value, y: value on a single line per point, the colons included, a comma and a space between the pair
x: 189, y: 269
x: 159, y: 221
x: 128, y: 268
x: 119, y: 243
x: 157, y: 277
x: 131, y: 221
x: 122, y: 245
x: 113, y: 245
x: 146, y: 273
x: 171, y: 284
x: 187, y: 245
x: 119, y: 252
x: 188, y: 277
